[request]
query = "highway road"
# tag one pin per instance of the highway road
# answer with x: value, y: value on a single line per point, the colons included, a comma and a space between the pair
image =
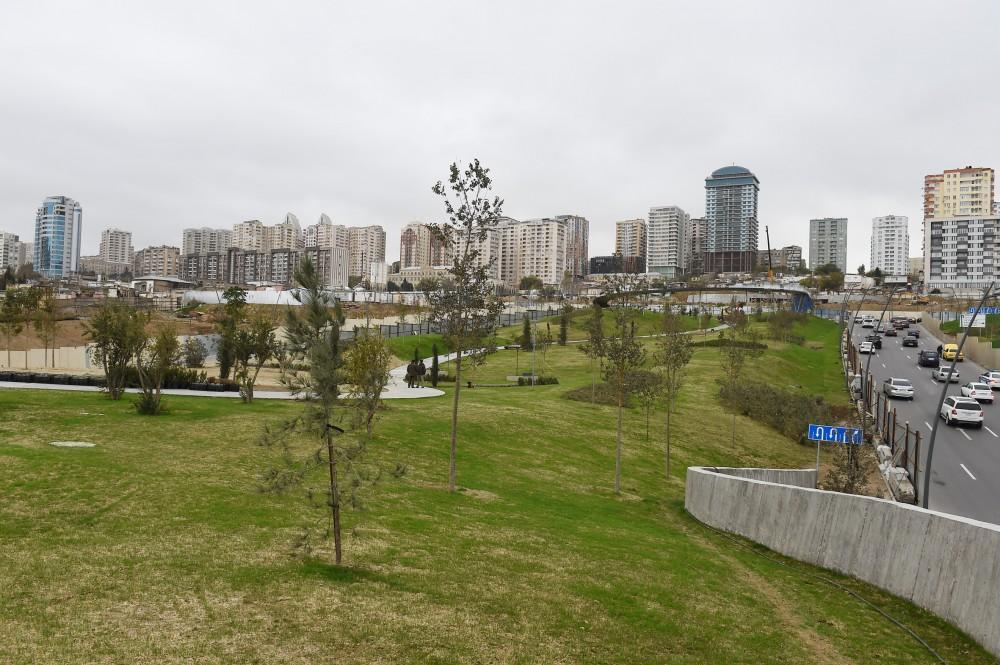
x: 965, y: 479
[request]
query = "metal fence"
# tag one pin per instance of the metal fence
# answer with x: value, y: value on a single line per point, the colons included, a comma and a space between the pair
x: 426, y: 327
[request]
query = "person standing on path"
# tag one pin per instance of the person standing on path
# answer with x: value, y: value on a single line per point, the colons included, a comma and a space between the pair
x: 411, y: 373
x: 421, y: 373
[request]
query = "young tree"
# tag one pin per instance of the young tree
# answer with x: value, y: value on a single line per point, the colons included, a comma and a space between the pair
x: 468, y: 311
x: 565, y: 313
x: 624, y: 354
x: 428, y: 284
x: 194, y: 352
x: 647, y: 388
x: 228, y: 325
x: 30, y: 299
x: 529, y: 283
x: 594, y: 346
x: 406, y: 286
x: 366, y: 369
x: 391, y: 286
x: 673, y: 353
x: 543, y: 342
x: 117, y: 333
x: 525, y: 340
x: 435, y: 367
x: 153, y: 359
x: 253, y: 345
x: 11, y: 321
x: 45, y: 321
x: 737, y: 347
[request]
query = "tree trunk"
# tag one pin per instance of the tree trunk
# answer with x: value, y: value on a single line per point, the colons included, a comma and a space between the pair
x: 453, y: 454
x: 593, y: 382
x: 618, y: 447
x: 666, y: 454
x: 334, y: 495
x: 733, y: 444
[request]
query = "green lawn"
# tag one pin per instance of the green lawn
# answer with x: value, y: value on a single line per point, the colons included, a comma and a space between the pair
x: 156, y: 545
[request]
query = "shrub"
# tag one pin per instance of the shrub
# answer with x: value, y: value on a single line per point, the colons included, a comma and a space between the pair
x: 717, y: 342
x: 540, y: 381
x: 194, y: 352
x: 787, y: 411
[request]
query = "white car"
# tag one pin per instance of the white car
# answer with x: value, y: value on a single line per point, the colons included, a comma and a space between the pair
x: 858, y: 319
x: 978, y: 391
x: 868, y: 322
x: 898, y: 388
x: 941, y: 374
x: 961, y: 410
x: 866, y: 347
x: 991, y: 378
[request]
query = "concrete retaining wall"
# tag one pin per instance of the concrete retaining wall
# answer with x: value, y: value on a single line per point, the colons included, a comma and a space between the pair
x: 946, y: 564
x: 63, y: 357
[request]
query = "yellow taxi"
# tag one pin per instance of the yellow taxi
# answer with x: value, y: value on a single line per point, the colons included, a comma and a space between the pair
x: 950, y: 351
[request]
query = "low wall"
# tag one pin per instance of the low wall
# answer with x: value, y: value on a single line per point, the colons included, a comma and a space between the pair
x: 943, y: 563
x: 63, y: 357
x: 977, y: 351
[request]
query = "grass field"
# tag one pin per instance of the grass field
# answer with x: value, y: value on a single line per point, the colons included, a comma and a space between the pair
x: 156, y: 546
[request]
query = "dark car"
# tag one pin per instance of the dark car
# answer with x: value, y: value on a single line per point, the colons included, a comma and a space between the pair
x: 876, y: 341
x: 913, y: 333
x: 910, y: 341
x: 928, y: 359
x: 891, y: 332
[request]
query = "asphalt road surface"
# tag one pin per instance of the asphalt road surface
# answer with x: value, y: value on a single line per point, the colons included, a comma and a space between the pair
x: 965, y: 479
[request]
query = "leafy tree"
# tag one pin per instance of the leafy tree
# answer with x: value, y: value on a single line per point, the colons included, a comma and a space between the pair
x: 8, y: 278
x: 313, y: 339
x: 876, y: 275
x: 832, y: 281
x: 194, y: 352
x: 594, y: 346
x: 30, y: 301
x: 861, y: 270
x: 673, y: 353
x: 45, y: 321
x: 391, y: 286
x: 826, y: 269
x: 117, y: 333
x: 25, y: 273
x: 565, y: 313
x: 353, y: 280
x: 253, y: 345
x: 406, y: 287
x: 529, y: 283
x: 156, y: 356
x: 232, y: 318
x: 647, y: 389
x: 525, y: 340
x: 543, y: 342
x: 428, y: 284
x: 467, y: 312
x: 738, y: 346
x: 624, y: 354
x: 435, y: 367
x: 11, y: 316
x: 366, y: 369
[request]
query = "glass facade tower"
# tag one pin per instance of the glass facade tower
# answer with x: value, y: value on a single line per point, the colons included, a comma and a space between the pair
x: 58, y: 226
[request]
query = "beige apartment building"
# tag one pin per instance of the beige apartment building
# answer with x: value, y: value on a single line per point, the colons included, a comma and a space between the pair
x: 365, y: 246
x: 116, y: 247
x: 160, y: 261
x: 325, y: 234
x: 965, y: 192
x: 248, y: 235
x: 206, y: 241
x: 577, y: 244
x: 630, y: 237
x: 533, y: 247
x: 420, y: 247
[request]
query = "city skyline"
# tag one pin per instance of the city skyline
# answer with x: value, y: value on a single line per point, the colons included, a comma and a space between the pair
x: 368, y: 154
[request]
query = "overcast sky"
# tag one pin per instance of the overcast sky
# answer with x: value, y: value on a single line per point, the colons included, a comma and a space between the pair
x: 160, y: 116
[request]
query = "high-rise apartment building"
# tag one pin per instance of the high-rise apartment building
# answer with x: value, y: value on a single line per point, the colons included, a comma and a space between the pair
x: 828, y: 242
x: 890, y: 245
x: 694, y: 245
x: 577, y: 244
x: 731, y: 213
x: 791, y: 258
x: 248, y: 235
x: 206, y: 241
x: 116, y: 247
x: 159, y: 261
x: 10, y: 251
x: 961, y: 253
x: 533, y: 248
x: 324, y: 234
x: 630, y: 237
x: 286, y: 235
x: 421, y: 247
x: 27, y: 253
x: 964, y: 192
x: 665, y: 242
x: 365, y: 246
x: 58, y: 230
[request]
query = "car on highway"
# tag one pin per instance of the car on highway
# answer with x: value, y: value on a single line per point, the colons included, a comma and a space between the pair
x: 914, y: 319
x: 898, y: 388
x: 868, y: 322
x: 991, y: 378
x: 978, y: 391
x: 927, y: 358
x: 950, y: 352
x: 859, y: 319
x: 913, y: 333
x: 875, y: 340
x: 941, y: 374
x: 957, y: 410
x: 866, y: 347
x: 891, y: 332
x: 910, y: 341
x: 880, y: 328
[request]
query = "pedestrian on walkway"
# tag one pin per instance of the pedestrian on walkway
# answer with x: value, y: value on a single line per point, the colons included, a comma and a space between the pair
x: 411, y: 374
x: 421, y: 373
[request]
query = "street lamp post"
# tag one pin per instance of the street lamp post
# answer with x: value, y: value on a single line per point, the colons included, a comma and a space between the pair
x: 868, y: 361
x: 987, y: 293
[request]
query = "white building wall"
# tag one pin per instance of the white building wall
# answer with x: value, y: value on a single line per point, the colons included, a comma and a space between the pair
x: 665, y: 240
x: 890, y: 245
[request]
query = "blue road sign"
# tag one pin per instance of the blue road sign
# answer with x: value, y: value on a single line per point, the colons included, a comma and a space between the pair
x: 831, y: 434
x: 985, y: 310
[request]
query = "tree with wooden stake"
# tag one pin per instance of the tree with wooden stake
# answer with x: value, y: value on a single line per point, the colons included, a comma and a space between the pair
x: 565, y: 313
x: 117, y: 334
x: 737, y: 346
x: 11, y: 321
x: 673, y: 353
x: 594, y: 346
x: 45, y: 321
x: 467, y: 310
x: 647, y: 388
x: 252, y: 345
x: 623, y: 354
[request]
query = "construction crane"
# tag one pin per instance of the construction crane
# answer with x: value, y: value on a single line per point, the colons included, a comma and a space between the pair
x: 770, y: 267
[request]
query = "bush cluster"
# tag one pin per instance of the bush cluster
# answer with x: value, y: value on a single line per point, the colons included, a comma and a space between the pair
x: 605, y: 394
x: 787, y: 411
x: 540, y: 381
x: 727, y: 342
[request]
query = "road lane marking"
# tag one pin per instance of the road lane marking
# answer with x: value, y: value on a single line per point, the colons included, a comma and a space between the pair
x: 928, y: 426
x: 991, y: 431
x: 909, y: 358
x: 883, y: 365
x: 965, y: 435
x: 964, y: 468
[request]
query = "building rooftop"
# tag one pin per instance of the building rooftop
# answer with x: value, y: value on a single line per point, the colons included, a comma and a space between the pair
x: 730, y: 171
